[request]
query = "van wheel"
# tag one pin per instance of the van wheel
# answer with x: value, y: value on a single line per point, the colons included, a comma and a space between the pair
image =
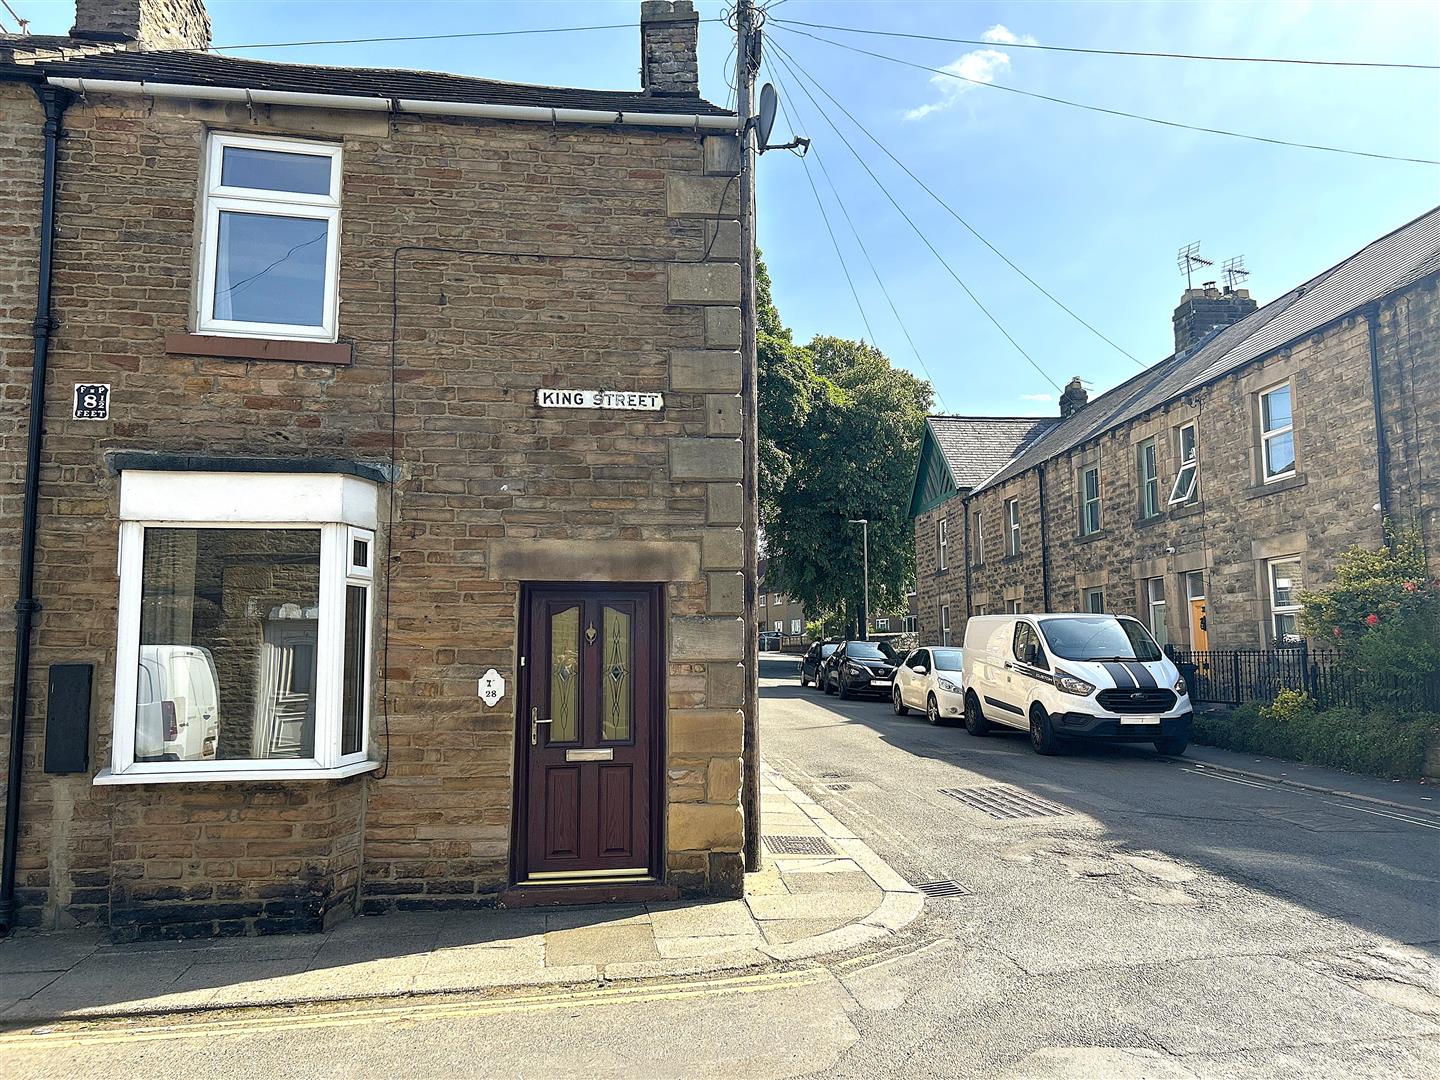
x: 932, y: 711
x: 1042, y: 732
x: 1173, y: 746
x: 975, y: 722
x: 898, y: 703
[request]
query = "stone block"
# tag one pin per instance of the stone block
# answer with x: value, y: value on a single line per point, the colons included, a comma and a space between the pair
x: 704, y: 827
x: 704, y: 283
x: 722, y: 241
x: 724, y: 504
x: 702, y: 196
x: 705, y: 732
x: 722, y: 784
x: 722, y: 155
x: 726, y: 594
x: 705, y: 371
x: 722, y: 327
x: 722, y: 414
x: 725, y: 684
x: 722, y: 549
x: 705, y: 459
x: 707, y: 638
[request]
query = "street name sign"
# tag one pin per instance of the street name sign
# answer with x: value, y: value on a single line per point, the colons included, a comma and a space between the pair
x: 615, y: 400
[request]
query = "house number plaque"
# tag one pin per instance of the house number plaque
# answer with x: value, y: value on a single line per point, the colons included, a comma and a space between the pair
x: 492, y: 688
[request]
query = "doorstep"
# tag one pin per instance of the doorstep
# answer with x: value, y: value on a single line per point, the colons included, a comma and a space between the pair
x: 843, y: 897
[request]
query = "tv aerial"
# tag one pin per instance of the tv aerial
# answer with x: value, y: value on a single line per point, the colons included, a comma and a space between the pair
x: 764, y: 122
x: 1188, y: 259
x: 1234, y: 271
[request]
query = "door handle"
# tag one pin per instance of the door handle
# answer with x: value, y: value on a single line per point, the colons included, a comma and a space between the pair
x: 535, y: 723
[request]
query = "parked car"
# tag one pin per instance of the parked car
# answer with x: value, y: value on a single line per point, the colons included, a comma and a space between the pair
x: 931, y: 679
x: 859, y: 668
x: 814, y: 656
x: 1067, y: 676
x: 177, y: 713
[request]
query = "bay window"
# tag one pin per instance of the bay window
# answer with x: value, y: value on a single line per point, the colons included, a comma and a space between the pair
x: 245, y: 614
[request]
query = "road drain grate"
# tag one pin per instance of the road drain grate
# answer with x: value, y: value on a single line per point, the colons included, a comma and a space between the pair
x: 1005, y: 803
x: 945, y: 887
x: 797, y: 845
x: 837, y: 787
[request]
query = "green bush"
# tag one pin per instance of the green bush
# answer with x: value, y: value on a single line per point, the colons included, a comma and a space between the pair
x: 1379, y: 743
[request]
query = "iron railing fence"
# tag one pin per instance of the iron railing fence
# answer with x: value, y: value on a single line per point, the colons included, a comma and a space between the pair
x: 1237, y: 676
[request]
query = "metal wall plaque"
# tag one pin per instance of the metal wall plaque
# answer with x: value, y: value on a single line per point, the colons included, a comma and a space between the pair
x: 615, y: 400
x: 607, y: 754
x: 492, y: 688
x: 92, y: 401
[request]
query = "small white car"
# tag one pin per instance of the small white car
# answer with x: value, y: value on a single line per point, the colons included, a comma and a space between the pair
x: 1069, y: 676
x: 931, y: 679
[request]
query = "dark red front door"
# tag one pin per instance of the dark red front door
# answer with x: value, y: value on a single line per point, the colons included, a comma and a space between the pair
x: 588, y: 733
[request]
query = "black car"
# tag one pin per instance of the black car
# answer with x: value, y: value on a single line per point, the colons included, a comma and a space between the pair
x: 860, y: 667
x: 814, y: 657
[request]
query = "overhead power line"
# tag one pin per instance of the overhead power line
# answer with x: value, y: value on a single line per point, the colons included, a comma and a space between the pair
x: 428, y: 37
x: 960, y: 218
x: 788, y: 103
x: 1114, y: 52
x: 792, y: 67
x: 1111, y: 112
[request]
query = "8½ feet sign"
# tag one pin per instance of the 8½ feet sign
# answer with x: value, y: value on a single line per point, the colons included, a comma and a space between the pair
x: 92, y: 401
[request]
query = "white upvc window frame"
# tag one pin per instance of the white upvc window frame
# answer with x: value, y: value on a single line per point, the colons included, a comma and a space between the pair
x: 1268, y: 435
x: 944, y: 624
x: 1156, y: 606
x: 1088, y: 598
x: 1290, y: 610
x: 979, y: 556
x: 342, y: 509
x: 1147, y: 467
x: 1087, y: 528
x: 1187, y: 477
x: 942, y: 542
x: 220, y: 198
x: 1012, y: 527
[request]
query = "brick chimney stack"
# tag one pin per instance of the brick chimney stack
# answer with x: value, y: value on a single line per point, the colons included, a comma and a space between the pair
x: 1208, y: 308
x: 1073, y: 399
x: 144, y: 24
x: 669, y: 44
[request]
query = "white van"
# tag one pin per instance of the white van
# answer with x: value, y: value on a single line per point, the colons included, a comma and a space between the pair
x: 177, y: 708
x: 1067, y: 676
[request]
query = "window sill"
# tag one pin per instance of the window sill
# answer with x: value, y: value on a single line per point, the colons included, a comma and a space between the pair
x: 1147, y: 522
x: 1184, y: 510
x: 212, y: 775
x: 339, y: 354
x: 1274, y: 487
x: 1090, y: 538
x: 1012, y: 558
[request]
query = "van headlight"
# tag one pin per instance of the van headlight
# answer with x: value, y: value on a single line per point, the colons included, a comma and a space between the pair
x: 948, y: 686
x: 1181, y: 689
x: 1071, y: 685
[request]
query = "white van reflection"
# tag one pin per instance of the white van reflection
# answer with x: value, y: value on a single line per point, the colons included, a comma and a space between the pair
x: 177, y: 714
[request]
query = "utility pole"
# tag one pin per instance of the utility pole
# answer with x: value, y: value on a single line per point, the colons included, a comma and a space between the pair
x: 864, y: 524
x: 747, y: 64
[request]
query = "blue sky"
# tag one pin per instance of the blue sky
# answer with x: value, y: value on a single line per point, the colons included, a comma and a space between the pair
x: 1093, y: 207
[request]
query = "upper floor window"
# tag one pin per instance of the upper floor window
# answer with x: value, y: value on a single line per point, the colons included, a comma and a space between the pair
x: 762, y: 600
x: 1012, y: 526
x: 941, y: 543
x: 978, y: 557
x: 1277, y: 433
x: 1187, y: 479
x: 882, y: 624
x: 269, y: 251
x: 1149, y: 467
x: 1090, y: 500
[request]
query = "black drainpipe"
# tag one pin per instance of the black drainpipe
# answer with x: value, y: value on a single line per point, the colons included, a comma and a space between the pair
x: 1382, y: 448
x: 53, y: 100
x: 1044, y: 543
x: 965, y: 531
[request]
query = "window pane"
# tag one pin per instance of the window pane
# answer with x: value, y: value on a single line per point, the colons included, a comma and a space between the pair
x: 1287, y: 629
x: 1279, y: 454
x: 271, y: 269
x: 1285, y: 583
x: 564, y: 675
x: 1276, y: 408
x: 275, y: 170
x: 1187, y: 444
x: 228, y: 636
x: 352, y: 701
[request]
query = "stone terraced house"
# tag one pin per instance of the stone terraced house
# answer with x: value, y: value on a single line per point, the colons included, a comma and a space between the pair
x: 382, y: 540
x: 1203, y: 494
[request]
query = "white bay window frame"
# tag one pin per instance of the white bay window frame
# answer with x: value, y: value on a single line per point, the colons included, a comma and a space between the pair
x: 343, y: 509
x: 221, y: 198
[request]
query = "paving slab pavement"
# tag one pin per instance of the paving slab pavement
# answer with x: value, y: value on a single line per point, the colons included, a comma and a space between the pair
x: 836, y: 897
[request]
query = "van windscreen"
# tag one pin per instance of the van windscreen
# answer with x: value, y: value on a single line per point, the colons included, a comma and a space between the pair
x: 1098, y: 639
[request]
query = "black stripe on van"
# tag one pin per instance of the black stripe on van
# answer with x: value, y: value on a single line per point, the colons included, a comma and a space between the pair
x: 1141, y: 674
x: 1121, y: 676
x: 1005, y: 705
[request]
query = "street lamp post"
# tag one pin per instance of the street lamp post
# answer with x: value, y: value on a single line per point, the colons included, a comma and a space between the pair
x: 864, y: 524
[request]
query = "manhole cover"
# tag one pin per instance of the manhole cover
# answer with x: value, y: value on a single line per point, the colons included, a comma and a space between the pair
x: 798, y: 845
x: 945, y: 887
x: 837, y: 787
x: 1005, y: 803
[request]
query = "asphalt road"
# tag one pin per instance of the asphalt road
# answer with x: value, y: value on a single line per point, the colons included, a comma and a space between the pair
x: 1166, y: 923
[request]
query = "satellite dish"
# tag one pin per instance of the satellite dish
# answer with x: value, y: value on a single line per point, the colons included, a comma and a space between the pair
x: 765, y: 118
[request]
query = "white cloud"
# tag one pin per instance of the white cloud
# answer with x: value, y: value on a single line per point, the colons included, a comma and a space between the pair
x: 1038, y: 397
x: 976, y: 66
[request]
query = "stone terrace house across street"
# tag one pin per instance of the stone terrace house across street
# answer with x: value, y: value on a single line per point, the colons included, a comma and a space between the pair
x: 1205, y: 493
x: 333, y: 614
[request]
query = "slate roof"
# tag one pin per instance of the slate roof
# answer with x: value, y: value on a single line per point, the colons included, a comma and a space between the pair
x: 205, y: 69
x: 1389, y: 264
x: 976, y: 447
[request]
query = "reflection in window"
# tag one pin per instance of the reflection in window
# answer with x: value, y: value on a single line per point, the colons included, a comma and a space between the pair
x: 228, y: 638
x: 616, y: 676
x: 564, y: 674
x: 352, y: 697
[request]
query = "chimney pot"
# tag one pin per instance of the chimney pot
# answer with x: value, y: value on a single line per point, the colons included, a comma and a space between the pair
x: 1203, y: 311
x: 1074, y: 398
x: 144, y: 24
x: 669, y: 47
